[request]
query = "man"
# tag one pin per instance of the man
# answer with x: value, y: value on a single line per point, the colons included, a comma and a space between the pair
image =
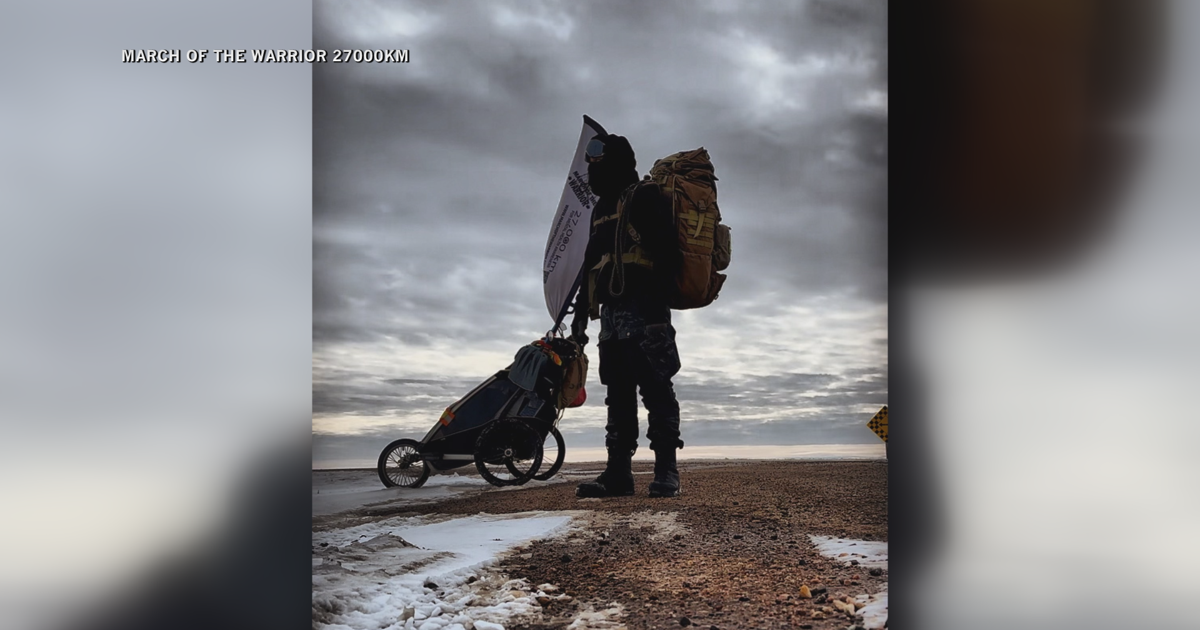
x: 629, y: 269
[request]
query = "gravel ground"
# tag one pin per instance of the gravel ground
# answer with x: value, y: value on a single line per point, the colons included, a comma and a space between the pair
x: 732, y: 552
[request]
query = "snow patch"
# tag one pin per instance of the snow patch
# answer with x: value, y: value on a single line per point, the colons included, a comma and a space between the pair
x: 454, y: 479
x: 598, y: 619
x: 875, y: 613
x: 663, y: 525
x: 424, y: 573
x: 868, y: 553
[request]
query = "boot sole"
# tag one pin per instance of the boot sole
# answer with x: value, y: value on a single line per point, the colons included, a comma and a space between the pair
x: 659, y: 494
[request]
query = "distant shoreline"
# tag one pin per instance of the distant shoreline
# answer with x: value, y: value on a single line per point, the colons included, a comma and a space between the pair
x: 693, y: 460
x: 747, y: 452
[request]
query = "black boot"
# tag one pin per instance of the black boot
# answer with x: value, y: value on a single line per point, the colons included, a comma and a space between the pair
x: 615, y: 481
x: 666, y: 475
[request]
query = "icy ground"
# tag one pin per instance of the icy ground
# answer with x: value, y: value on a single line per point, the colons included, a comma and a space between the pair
x: 341, y: 490
x: 432, y: 572
x: 426, y: 573
x: 869, y: 554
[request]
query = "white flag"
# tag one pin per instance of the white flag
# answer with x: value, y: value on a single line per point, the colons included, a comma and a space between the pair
x: 567, y: 244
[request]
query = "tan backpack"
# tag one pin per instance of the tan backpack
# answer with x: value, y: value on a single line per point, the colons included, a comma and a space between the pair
x: 705, y: 242
x: 687, y: 177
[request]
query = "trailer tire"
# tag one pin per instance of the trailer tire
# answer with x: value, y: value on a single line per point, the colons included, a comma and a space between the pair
x: 396, y: 465
x: 512, y: 448
x: 560, y: 453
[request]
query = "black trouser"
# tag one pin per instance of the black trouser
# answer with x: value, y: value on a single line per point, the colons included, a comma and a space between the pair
x: 646, y: 362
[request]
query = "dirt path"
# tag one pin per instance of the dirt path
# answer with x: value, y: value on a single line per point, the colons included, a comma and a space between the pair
x: 732, y: 552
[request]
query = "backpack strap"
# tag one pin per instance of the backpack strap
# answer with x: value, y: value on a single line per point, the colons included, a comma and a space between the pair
x: 616, y: 257
x: 593, y: 280
x: 637, y: 238
x: 605, y: 219
x: 637, y: 256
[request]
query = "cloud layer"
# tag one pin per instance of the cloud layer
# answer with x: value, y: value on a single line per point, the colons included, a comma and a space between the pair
x: 435, y: 184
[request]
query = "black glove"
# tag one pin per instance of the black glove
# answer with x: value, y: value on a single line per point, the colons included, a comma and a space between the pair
x: 578, y: 328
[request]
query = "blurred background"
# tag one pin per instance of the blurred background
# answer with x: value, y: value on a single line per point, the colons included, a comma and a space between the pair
x: 155, y: 322
x: 1045, y: 298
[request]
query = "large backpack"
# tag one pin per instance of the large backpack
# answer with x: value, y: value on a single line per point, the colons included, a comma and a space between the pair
x: 687, y: 177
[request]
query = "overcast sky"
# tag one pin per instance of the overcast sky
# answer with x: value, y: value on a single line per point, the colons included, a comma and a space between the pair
x: 435, y: 183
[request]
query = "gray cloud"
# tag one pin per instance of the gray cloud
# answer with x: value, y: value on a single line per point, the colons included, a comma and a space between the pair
x: 435, y: 181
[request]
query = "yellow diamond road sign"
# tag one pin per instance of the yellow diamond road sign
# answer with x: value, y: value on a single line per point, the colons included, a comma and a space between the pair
x: 878, y: 424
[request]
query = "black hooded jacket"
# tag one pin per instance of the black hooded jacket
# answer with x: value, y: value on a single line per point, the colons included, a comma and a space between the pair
x: 650, y: 216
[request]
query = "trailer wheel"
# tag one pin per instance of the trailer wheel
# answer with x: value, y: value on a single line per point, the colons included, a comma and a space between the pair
x: 401, y: 465
x: 555, y: 452
x: 508, y: 452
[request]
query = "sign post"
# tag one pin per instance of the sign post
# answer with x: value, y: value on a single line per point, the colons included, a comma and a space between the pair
x: 879, y: 424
